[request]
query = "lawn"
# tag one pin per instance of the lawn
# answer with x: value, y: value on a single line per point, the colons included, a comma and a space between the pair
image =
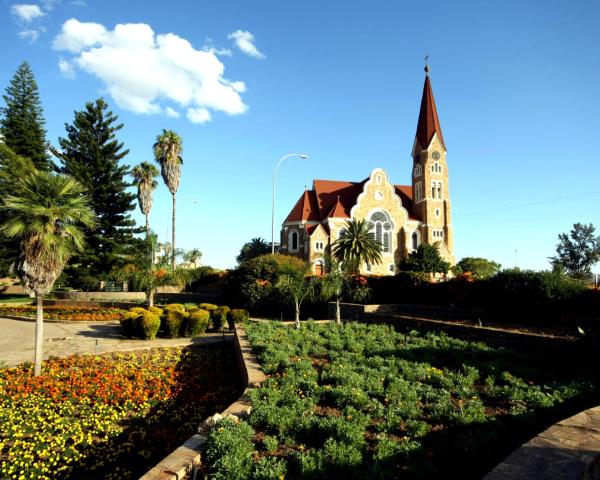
x: 109, y: 416
x: 17, y: 299
x: 364, y: 401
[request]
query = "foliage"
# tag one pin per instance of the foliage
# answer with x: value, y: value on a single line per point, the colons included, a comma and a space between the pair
x: 578, y: 251
x: 192, y: 257
x: 147, y: 324
x: 218, y: 317
x: 167, y: 152
x: 13, y: 168
x: 197, y: 323
x: 237, y: 316
x: 252, y: 249
x: 425, y: 259
x: 22, y: 122
x: 108, y: 416
x: 70, y: 314
x: 365, y: 401
x: 295, y: 287
x: 209, y: 307
x: 172, y: 322
x: 228, y: 450
x: 144, y: 176
x: 92, y: 154
x: 476, y: 267
x: 357, y: 246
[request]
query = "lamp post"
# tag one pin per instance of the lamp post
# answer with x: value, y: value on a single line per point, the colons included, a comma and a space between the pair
x: 302, y: 156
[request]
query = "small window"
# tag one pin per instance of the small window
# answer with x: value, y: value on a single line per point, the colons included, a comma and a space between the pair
x: 368, y: 267
x: 415, y: 240
x: 342, y: 233
x: 378, y: 178
x: 433, y: 190
x: 437, y: 212
x: 293, y: 241
x: 391, y: 267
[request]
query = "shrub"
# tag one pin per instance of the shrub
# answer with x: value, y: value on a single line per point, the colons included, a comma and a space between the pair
x: 173, y: 322
x: 175, y: 306
x: 147, y: 325
x: 218, y: 317
x: 268, y: 468
x: 138, y: 310
x: 229, y: 451
x: 209, y: 307
x: 127, y: 324
x: 237, y: 315
x: 197, y: 323
x: 156, y: 311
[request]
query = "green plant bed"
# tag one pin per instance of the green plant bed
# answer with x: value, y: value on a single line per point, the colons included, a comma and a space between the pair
x: 18, y: 299
x: 363, y: 401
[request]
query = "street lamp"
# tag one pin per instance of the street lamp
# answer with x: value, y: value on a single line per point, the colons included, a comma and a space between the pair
x: 303, y: 157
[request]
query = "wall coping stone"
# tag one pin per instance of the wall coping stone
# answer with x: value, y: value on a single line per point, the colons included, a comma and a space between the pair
x: 185, y: 461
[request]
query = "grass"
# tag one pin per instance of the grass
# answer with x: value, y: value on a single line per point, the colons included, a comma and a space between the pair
x: 16, y: 299
x: 364, y: 401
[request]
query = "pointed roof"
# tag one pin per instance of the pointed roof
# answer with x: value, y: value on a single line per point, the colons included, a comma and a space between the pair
x: 428, y: 123
x: 338, y: 210
x: 305, y: 209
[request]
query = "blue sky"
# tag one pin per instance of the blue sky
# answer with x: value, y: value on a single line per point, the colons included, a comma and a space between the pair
x: 516, y: 86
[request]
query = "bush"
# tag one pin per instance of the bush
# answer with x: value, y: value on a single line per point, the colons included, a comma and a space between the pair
x: 147, y: 325
x: 209, y: 307
x: 138, y: 310
x: 218, y: 317
x: 175, y: 306
x: 229, y: 450
x: 156, y: 311
x: 173, y: 322
x: 127, y: 322
x: 237, y: 315
x: 197, y: 323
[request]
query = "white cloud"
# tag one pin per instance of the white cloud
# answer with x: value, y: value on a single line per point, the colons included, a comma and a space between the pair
x: 50, y: 4
x: 66, y: 68
x: 31, y: 35
x: 198, y: 115
x: 27, y: 12
x: 171, y: 112
x: 140, y: 69
x: 244, y: 40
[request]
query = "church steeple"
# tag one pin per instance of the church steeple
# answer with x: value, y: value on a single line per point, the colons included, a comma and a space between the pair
x: 428, y: 123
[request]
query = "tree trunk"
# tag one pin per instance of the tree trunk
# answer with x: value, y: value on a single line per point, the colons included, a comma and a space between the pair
x: 150, y: 297
x: 147, y: 226
x: 173, y: 240
x: 39, y: 334
x: 338, y: 316
x: 297, y: 315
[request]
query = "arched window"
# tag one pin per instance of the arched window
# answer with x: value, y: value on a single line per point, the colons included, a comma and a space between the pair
x: 415, y: 240
x: 439, y: 190
x: 293, y: 241
x: 381, y: 226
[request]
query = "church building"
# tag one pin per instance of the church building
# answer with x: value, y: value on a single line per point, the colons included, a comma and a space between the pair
x: 400, y: 216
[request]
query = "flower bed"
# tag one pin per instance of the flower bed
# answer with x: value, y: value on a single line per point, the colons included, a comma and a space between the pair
x: 113, y: 416
x: 74, y: 314
x: 363, y: 401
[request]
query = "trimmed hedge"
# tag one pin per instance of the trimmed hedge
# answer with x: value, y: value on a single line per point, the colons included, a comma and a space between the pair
x: 218, y: 317
x: 172, y: 322
x: 197, y: 323
x: 237, y: 315
x: 147, y: 325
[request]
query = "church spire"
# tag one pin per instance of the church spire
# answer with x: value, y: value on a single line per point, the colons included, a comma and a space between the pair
x: 428, y: 123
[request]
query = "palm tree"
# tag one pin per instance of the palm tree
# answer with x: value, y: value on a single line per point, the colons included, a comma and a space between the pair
x: 47, y: 218
x: 357, y: 246
x: 252, y: 249
x: 167, y: 152
x: 144, y: 175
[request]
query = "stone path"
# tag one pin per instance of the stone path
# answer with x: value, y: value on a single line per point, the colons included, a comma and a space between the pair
x: 568, y: 450
x: 61, y: 339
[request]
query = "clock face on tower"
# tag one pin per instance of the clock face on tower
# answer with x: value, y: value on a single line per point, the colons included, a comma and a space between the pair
x: 435, y: 155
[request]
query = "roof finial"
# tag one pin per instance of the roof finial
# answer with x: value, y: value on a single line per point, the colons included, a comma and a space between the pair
x: 427, y: 64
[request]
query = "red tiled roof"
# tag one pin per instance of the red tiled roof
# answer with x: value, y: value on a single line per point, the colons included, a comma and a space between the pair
x: 335, y: 199
x: 305, y: 209
x: 428, y: 122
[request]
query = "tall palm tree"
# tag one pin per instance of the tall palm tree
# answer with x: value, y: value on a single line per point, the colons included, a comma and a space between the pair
x: 252, y: 249
x: 357, y: 246
x: 47, y: 218
x: 144, y: 175
x: 167, y: 152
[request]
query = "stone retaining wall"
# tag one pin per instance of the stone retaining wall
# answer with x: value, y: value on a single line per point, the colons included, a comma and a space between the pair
x: 186, y: 461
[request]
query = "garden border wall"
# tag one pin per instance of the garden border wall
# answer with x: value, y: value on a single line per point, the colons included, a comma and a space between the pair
x: 185, y: 461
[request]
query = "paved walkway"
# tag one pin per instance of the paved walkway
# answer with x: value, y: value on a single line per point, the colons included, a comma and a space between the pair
x: 17, y: 340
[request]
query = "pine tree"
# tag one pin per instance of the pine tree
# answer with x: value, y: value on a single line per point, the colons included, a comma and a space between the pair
x: 91, y: 154
x: 22, y: 122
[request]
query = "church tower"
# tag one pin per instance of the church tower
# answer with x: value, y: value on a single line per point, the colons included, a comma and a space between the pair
x: 431, y: 194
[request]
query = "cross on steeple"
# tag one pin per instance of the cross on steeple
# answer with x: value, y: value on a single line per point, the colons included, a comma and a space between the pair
x: 427, y: 64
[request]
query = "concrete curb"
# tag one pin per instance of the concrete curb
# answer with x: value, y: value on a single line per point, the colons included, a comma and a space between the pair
x: 185, y: 461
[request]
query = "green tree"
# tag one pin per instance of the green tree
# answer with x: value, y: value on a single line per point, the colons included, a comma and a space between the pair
x: 92, y: 155
x: 477, y: 267
x: 192, y: 256
x: 357, y: 246
x: 22, y: 122
x: 295, y: 286
x: 425, y: 259
x: 47, y: 218
x: 13, y: 168
x: 338, y: 283
x: 147, y: 274
x: 167, y: 152
x: 252, y: 249
x: 578, y: 251
x: 144, y: 176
